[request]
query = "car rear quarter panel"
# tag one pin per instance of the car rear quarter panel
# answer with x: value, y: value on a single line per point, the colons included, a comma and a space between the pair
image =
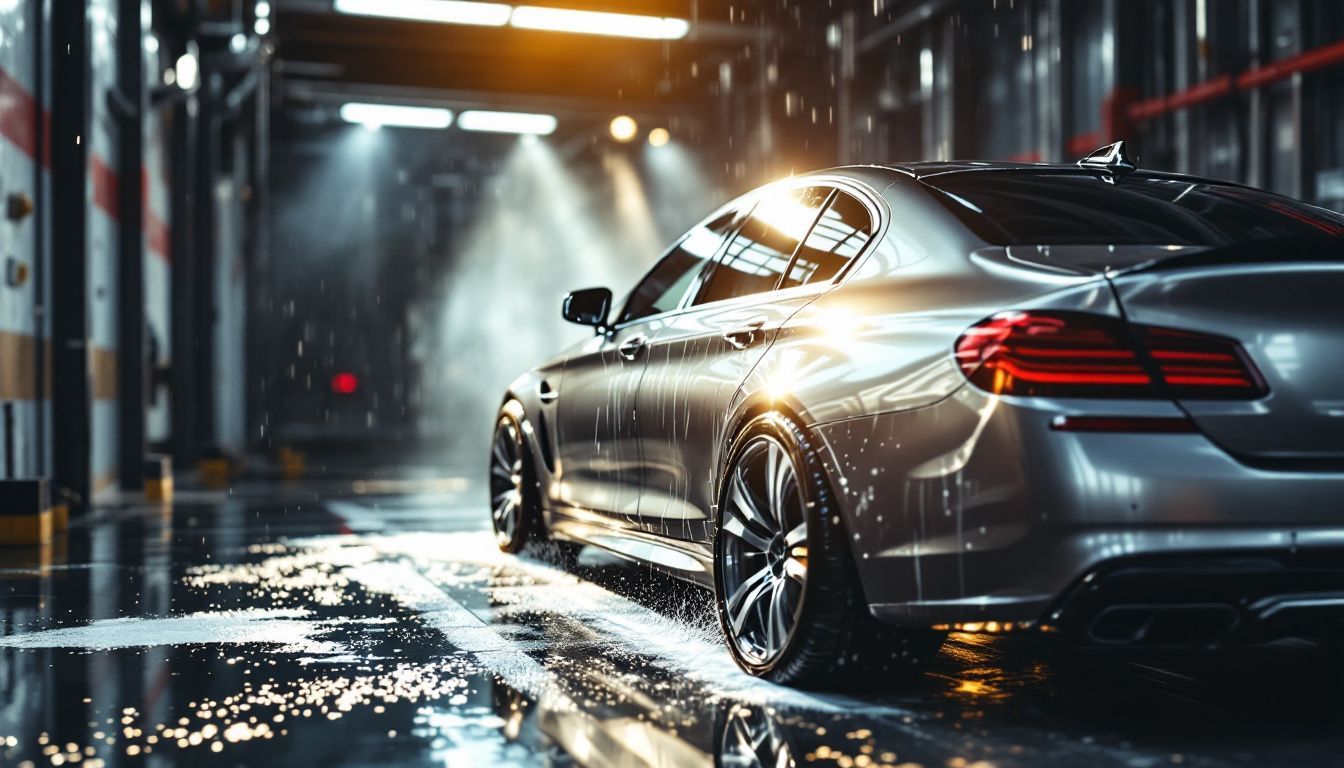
x: 917, y: 457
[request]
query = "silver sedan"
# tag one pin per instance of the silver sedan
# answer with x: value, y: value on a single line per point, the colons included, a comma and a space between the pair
x: 872, y: 405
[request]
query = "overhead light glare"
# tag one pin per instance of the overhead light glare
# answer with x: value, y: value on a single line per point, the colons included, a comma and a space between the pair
x: 187, y: 69
x: 526, y: 123
x: 262, y: 27
x: 624, y: 128
x: 378, y: 115
x: 441, y: 11
x: 263, y: 9
x: 659, y: 137
x: 599, y: 23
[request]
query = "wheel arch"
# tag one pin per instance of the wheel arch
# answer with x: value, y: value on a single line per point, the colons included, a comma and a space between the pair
x: 743, y: 416
x: 536, y: 440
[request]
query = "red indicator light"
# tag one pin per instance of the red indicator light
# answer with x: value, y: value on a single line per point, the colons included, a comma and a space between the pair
x: 344, y: 383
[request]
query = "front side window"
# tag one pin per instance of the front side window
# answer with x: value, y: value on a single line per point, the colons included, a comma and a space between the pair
x: 841, y: 233
x: 661, y: 290
x: 756, y: 259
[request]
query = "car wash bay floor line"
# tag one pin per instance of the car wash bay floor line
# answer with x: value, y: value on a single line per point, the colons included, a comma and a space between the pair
x: 306, y: 624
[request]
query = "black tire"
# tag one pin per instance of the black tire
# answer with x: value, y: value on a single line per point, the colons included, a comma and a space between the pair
x: 514, y: 497
x: 834, y: 642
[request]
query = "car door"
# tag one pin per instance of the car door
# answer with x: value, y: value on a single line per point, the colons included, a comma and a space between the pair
x: 597, y: 445
x: 699, y: 360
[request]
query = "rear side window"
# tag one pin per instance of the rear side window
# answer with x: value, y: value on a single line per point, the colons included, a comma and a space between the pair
x: 841, y: 233
x: 1013, y: 208
x: 756, y: 259
x: 661, y: 290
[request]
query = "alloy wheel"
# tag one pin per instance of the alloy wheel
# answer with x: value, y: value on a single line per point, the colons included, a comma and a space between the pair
x: 762, y: 551
x: 506, y: 482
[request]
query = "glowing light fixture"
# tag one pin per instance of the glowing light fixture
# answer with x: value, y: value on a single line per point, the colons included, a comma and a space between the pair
x: 378, y: 115
x: 263, y: 9
x: 262, y: 27
x: 490, y: 14
x: 526, y: 123
x: 599, y: 23
x: 187, y: 69
x: 659, y: 137
x: 442, y: 11
x: 624, y: 128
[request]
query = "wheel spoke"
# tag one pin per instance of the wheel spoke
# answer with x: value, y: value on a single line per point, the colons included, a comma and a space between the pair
x: 501, y: 453
x: 505, y: 505
x: 795, y: 569
x: 796, y: 536
x: 779, y: 476
x: 778, y: 618
x: 746, y: 596
x: 738, y: 527
x: 772, y: 471
x: 745, y: 502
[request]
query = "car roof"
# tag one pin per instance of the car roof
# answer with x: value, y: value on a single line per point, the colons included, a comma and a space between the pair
x: 926, y: 169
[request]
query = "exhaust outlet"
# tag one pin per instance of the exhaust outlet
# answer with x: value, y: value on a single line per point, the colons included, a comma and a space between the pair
x: 1194, y: 624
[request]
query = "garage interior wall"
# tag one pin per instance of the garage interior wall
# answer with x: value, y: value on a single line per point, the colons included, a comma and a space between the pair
x: 40, y: 263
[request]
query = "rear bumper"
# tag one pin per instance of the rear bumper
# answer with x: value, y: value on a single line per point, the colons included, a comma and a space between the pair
x: 1211, y: 599
x: 973, y: 509
x: 1258, y: 577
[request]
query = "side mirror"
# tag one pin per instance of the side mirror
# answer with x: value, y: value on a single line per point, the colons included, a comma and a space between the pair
x: 588, y: 307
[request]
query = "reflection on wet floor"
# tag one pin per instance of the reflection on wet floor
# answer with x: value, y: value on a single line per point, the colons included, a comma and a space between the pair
x: 308, y: 624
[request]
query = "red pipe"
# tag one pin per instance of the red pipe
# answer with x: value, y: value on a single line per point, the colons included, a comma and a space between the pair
x: 1195, y: 94
x: 1084, y: 143
x: 1317, y: 58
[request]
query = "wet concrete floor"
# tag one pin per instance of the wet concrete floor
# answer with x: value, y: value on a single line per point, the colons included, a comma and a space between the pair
x: 375, y: 623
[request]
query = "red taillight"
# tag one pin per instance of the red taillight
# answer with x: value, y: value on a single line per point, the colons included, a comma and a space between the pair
x: 1198, y: 366
x: 1075, y: 354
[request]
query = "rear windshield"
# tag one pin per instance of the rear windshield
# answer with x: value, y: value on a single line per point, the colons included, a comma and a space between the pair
x: 1016, y: 208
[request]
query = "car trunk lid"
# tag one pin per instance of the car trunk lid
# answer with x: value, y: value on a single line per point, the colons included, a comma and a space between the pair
x: 1288, y: 316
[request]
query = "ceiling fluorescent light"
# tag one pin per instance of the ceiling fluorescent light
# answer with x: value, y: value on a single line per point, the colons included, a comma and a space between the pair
x: 599, y: 23
x: 507, y: 122
x: 378, y: 115
x: 442, y: 11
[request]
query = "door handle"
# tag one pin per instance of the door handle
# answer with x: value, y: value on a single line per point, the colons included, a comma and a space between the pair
x: 745, y: 335
x: 631, y: 347
x: 545, y: 394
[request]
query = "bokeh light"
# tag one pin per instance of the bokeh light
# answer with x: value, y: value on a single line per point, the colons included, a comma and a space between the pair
x: 624, y: 128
